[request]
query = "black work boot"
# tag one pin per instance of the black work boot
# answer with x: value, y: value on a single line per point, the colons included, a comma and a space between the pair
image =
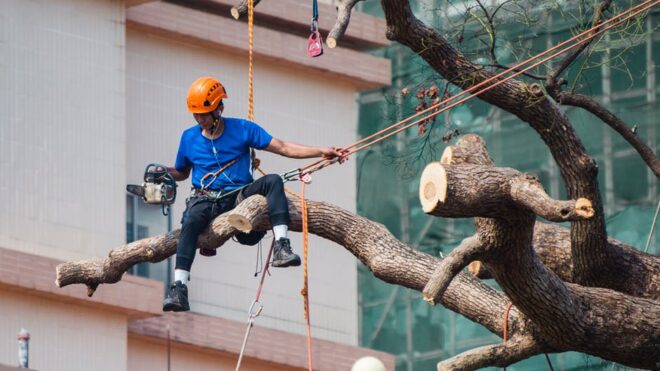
x: 177, y: 298
x: 283, y: 256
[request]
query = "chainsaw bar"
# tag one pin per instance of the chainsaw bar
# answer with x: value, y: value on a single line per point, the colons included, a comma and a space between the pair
x: 135, y: 189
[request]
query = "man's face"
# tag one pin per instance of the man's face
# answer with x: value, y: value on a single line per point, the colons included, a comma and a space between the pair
x: 206, y: 120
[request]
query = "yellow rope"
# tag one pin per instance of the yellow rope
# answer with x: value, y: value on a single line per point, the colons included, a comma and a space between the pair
x: 305, y: 290
x: 250, y: 113
x: 250, y: 116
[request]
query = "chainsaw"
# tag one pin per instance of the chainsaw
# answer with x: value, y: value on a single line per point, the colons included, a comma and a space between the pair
x: 159, y: 187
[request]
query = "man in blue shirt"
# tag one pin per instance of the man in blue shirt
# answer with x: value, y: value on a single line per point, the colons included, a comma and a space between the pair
x: 224, y: 143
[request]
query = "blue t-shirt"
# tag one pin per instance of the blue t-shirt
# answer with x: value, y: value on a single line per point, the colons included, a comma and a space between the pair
x: 239, y: 135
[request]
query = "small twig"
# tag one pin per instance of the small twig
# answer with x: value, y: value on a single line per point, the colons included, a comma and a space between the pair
x: 568, y: 60
x: 609, y: 118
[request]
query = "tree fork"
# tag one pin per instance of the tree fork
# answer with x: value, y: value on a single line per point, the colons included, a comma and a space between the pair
x: 572, y: 316
x: 553, y: 243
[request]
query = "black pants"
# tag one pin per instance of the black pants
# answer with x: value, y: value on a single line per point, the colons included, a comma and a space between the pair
x: 200, y: 211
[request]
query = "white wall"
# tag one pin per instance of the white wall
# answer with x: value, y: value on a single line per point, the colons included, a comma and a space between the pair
x: 62, y: 336
x: 291, y: 106
x: 62, y: 133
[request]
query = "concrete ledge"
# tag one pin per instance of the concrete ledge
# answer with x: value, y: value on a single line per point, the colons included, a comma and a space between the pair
x: 130, y: 3
x: 192, y: 26
x: 134, y: 296
x: 225, y: 336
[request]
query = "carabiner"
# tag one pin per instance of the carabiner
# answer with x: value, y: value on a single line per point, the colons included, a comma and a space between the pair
x: 290, y: 175
x: 255, y: 313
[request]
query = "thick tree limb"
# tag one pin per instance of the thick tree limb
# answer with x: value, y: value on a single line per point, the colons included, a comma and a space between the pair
x: 569, y: 310
x: 389, y: 259
x: 498, y: 191
x: 498, y: 355
x: 242, y: 8
x: 450, y: 266
x: 591, y: 105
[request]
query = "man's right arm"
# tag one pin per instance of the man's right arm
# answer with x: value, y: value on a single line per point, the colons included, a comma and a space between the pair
x: 179, y: 175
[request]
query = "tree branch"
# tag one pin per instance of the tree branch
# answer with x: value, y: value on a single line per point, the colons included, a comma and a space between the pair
x: 591, y: 105
x: 528, y: 191
x: 449, y: 267
x: 498, y: 355
x: 389, y: 259
x: 552, y: 82
x: 344, y: 8
x: 487, y: 191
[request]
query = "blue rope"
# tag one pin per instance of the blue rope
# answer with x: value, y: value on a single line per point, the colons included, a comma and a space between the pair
x: 315, y: 10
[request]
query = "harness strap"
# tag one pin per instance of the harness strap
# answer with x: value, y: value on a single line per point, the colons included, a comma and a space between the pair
x: 215, y: 174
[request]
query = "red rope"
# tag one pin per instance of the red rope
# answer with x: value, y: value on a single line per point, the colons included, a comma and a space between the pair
x: 506, y: 323
x: 506, y: 319
x: 632, y: 12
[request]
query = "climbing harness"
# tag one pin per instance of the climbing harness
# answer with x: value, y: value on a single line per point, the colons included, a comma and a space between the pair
x: 208, y: 179
x: 315, y: 42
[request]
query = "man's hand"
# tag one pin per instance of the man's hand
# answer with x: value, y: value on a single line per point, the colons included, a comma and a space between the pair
x: 179, y: 175
x: 330, y: 153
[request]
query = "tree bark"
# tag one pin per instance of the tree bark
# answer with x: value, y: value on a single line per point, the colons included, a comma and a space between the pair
x: 572, y: 316
x: 558, y: 317
x: 593, y: 259
x: 552, y: 243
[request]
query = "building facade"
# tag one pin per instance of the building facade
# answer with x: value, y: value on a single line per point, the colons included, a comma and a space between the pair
x: 92, y: 91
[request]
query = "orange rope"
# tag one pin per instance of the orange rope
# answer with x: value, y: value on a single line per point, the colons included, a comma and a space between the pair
x: 631, y: 13
x: 304, y: 292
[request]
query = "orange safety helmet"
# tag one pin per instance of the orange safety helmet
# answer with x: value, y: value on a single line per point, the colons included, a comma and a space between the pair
x: 205, y: 94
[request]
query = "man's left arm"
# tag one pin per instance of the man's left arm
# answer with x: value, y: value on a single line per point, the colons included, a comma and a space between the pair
x: 294, y: 150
